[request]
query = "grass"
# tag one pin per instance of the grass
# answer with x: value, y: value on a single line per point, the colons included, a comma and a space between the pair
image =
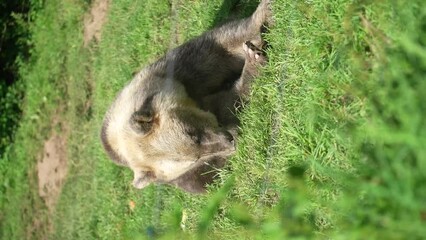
x: 23, y: 214
x: 332, y: 143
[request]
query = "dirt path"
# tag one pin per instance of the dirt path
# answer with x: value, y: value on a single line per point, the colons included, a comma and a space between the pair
x: 52, y: 166
x: 94, y: 20
x: 52, y: 169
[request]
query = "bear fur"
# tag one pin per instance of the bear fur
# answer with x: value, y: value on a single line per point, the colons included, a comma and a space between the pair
x: 175, y: 122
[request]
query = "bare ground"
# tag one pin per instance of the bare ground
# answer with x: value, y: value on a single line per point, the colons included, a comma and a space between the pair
x: 94, y: 20
x: 52, y: 169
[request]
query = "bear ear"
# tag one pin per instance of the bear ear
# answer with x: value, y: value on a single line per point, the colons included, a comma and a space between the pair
x: 143, y: 116
x: 143, y: 119
x: 143, y: 179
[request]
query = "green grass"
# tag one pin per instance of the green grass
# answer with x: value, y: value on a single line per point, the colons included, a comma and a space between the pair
x: 332, y: 141
x: 45, y: 76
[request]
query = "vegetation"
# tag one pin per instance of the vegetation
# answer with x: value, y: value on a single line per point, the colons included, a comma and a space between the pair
x: 13, y: 49
x: 332, y: 143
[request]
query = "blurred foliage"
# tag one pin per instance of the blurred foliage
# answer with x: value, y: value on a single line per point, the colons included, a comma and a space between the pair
x: 10, y: 108
x: 14, y: 31
x: 387, y: 200
x: 13, y: 37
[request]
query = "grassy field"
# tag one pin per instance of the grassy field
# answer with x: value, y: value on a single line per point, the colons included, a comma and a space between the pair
x: 332, y: 143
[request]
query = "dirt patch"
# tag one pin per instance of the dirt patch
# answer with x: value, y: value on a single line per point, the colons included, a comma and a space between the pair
x: 94, y: 20
x: 52, y: 169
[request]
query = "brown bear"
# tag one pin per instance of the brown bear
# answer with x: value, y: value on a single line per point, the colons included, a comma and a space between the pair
x: 175, y: 121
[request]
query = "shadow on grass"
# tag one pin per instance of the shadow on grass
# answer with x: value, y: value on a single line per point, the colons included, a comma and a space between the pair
x: 233, y: 10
